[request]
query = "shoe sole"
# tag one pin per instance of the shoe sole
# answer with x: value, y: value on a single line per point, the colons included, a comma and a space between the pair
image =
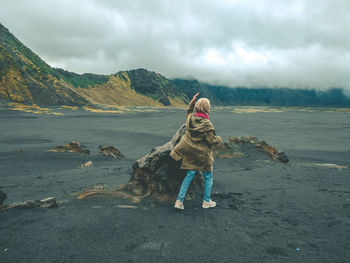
x: 179, y: 207
x: 206, y: 207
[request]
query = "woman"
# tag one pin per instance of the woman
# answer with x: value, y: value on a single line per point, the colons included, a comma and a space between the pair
x: 195, y: 150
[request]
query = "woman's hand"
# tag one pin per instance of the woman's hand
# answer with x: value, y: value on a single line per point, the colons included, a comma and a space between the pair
x: 194, y: 97
x: 190, y: 106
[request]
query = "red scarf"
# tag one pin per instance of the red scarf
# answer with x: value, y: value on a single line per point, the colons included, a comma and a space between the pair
x: 202, y: 115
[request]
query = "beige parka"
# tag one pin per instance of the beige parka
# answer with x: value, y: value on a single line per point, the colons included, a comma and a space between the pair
x: 195, y: 146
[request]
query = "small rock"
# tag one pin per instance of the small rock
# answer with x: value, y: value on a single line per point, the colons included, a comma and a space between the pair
x: 110, y: 151
x: 49, y: 202
x: 282, y: 157
x: 73, y: 146
x: 87, y: 164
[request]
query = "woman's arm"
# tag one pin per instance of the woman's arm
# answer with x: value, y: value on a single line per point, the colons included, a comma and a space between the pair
x: 211, y: 138
x: 190, y: 106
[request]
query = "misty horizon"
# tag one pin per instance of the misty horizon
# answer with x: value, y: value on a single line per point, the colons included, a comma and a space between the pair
x: 299, y: 44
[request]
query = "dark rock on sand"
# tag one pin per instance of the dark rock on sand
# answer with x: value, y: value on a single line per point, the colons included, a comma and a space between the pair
x: 73, y: 146
x: 282, y: 157
x: 3, y: 197
x: 246, y: 145
x: 49, y: 202
x: 110, y: 151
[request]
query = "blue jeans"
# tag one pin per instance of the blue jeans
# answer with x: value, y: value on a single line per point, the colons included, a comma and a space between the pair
x: 208, y: 183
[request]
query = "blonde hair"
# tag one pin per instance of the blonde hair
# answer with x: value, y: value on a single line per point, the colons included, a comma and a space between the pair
x: 202, y: 105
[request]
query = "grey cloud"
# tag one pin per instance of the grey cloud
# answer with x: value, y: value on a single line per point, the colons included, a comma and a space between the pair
x: 289, y: 43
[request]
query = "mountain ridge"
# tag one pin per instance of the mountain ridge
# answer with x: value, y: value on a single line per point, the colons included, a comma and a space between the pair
x: 26, y: 78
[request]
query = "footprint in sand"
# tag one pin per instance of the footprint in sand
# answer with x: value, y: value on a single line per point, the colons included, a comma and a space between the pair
x: 228, y: 200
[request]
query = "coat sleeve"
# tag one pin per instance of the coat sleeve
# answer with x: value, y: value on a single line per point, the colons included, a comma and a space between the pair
x: 190, y: 108
x: 211, y: 138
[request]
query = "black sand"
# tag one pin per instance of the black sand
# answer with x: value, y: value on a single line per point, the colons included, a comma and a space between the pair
x: 267, y: 211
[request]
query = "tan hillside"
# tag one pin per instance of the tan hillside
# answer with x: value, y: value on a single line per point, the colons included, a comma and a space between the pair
x: 25, y: 78
x: 117, y: 91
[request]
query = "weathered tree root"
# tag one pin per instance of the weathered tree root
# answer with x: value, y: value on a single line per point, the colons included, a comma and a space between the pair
x: 236, y: 145
x: 133, y: 192
x: 158, y: 176
x: 155, y: 175
x: 49, y: 202
x: 125, y: 191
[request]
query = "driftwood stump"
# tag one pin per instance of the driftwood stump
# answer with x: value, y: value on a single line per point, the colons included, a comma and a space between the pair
x: 156, y: 175
x: 248, y: 145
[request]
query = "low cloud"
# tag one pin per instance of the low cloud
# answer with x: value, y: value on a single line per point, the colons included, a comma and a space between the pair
x: 232, y: 42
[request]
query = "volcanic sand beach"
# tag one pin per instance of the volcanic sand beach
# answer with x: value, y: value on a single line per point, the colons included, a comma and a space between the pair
x: 267, y: 211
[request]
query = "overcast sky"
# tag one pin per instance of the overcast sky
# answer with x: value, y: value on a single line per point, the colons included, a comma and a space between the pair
x: 290, y: 43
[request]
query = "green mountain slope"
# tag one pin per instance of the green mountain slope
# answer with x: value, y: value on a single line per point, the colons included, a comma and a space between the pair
x: 155, y: 86
x: 26, y: 78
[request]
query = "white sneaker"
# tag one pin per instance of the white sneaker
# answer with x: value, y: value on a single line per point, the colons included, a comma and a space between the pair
x: 179, y: 205
x: 209, y: 204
